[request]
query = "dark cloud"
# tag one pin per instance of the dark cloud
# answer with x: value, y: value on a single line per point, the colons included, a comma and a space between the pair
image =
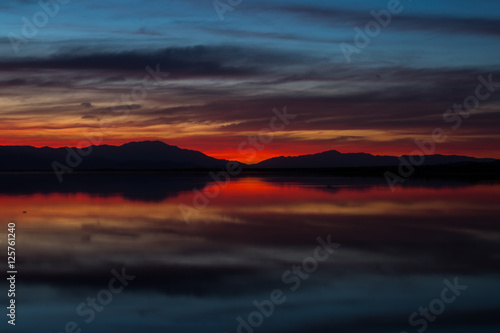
x: 86, y: 104
x: 54, y: 81
x: 188, y: 61
x: 124, y: 107
x: 14, y: 82
x: 89, y: 116
x: 110, y: 111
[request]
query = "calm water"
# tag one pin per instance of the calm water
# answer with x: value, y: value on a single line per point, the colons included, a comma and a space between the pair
x: 396, y: 249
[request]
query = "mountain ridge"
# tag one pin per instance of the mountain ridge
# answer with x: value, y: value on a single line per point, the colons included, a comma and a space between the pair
x: 335, y: 159
x: 157, y: 155
x: 142, y: 155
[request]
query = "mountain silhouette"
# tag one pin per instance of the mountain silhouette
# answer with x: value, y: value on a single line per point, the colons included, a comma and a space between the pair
x: 146, y: 155
x: 157, y: 155
x: 335, y: 159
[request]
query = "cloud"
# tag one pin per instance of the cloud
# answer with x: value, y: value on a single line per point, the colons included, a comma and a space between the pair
x: 124, y: 107
x: 340, y: 17
x: 89, y: 116
x: 87, y: 105
x: 98, y: 114
x: 183, y: 61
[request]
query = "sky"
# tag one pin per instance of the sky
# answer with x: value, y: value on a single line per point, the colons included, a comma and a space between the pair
x: 208, y: 77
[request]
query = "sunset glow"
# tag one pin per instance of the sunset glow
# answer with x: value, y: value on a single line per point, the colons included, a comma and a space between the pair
x: 211, y: 85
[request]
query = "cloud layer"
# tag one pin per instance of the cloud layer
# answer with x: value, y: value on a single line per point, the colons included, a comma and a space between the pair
x: 225, y: 77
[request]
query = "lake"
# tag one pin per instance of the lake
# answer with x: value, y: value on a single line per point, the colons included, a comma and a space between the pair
x: 263, y: 253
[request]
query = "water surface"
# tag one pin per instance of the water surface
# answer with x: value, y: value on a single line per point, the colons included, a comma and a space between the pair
x: 396, y: 249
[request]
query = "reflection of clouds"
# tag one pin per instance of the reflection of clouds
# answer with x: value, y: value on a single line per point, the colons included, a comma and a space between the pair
x: 258, y: 224
x: 396, y: 247
x: 352, y: 208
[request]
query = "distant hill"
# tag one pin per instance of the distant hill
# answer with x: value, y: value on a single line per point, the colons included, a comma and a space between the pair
x: 146, y: 155
x: 156, y: 155
x: 335, y: 159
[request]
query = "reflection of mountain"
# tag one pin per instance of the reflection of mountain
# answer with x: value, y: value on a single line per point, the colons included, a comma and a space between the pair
x: 237, y: 242
x: 335, y: 159
x: 148, y: 155
x: 396, y: 247
x: 133, y: 186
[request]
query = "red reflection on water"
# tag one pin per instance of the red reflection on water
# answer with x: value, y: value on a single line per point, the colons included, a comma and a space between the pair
x: 257, y: 195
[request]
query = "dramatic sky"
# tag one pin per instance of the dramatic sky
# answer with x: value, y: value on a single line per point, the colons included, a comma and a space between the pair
x: 78, y: 73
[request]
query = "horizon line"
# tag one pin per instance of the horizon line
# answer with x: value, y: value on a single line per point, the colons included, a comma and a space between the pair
x: 248, y: 163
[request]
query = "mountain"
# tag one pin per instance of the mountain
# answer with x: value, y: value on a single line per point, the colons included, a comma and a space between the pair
x: 146, y: 155
x: 156, y: 155
x: 335, y: 159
